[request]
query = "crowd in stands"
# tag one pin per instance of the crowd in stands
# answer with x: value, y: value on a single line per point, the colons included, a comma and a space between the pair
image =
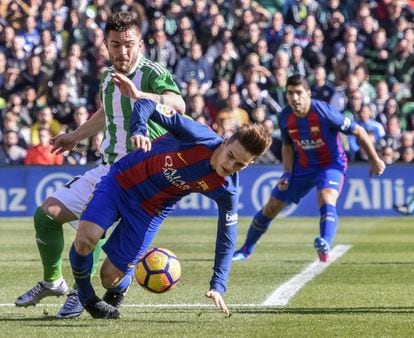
x: 231, y: 59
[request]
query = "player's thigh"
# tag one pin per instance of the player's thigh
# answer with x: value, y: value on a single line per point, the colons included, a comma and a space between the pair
x: 329, y: 185
x: 131, y: 238
x: 298, y: 187
x: 74, y: 195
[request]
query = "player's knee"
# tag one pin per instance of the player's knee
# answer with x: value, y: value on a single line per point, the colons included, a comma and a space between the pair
x: 56, y: 209
x: 272, y: 208
x: 84, y: 245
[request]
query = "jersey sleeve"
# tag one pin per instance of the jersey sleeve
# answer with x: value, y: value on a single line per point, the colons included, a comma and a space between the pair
x: 180, y: 126
x: 339, y: 121
x: 226, y: 236
x: 160, y: 80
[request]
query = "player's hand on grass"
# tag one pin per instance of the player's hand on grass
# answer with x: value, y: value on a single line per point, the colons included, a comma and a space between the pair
x: 141, y: 142
x: 377, y: 167
x: 61, y: 143
x: 126, y: 86
x: 218, y: 301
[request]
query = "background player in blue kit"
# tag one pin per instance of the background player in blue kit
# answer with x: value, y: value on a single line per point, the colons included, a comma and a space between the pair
x: 313, y: 156
x: 143, y: 187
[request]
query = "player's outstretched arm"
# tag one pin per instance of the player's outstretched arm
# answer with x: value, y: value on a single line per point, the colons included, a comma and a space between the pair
x: 377, y: 166
x: 128, y: 88
x: 218, y: 301
x: 63, y: 142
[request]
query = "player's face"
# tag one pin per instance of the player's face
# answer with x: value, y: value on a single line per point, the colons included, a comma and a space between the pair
x: 299, y: 99
x: 230, y: 158
x: 124, y: 49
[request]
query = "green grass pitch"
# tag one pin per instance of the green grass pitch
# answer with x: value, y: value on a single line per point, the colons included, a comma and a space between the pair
x: 368, y: 292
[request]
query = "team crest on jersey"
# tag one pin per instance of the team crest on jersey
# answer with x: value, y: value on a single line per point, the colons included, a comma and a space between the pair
x: 202, y: 185
x: 314, y: 129
x: 164, y: 110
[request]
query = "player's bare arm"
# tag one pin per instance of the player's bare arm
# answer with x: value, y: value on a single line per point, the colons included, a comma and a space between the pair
x: 288, y: 156
x: 68, y: 141
x: 128, y: 88
x: 377, y: 166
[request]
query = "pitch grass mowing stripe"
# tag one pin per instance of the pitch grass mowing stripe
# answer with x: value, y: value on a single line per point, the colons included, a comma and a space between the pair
x: 283, y: 294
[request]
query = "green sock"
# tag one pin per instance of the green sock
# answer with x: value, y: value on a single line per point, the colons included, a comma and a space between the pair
x: 50, y: 243
x: 96, y: 258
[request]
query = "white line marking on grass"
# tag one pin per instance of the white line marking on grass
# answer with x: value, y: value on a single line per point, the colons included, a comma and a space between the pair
x: 284, y: 293
x: 195, y: 305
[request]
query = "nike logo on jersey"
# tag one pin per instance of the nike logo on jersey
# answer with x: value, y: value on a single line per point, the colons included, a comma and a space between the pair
x: 333, y: 182
x: 180, y: 155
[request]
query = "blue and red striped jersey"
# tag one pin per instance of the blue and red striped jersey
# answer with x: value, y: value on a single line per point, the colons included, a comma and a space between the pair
x: 177, y: 165
x: 315, y: 137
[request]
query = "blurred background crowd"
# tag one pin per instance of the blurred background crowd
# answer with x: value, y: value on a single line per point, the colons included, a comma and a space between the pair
x: 231, y: 59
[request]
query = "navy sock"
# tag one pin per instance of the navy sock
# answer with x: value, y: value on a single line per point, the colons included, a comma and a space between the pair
x: 124, y: 284
x: 328, y: 223
x: 81, y: 269
x: 258, y: 227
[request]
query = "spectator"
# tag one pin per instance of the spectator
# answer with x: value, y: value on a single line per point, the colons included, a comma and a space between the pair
x: 216, y: 99
x: 376, y: 57
x: 93, y: 156
x: 366, y: 88
x: 78, y: 155
x: 391, y: 108
x: 265, y: 57
x: 400, y: 69
x: 365, y: 120
x: 10, y: 152
x: 44, y: 120
x: 10, y: 122
x: 34, y: 76
x: 17, y: 55
x: 253, y: 97
x: 297, y: 64
x: 273, y: 34
x: 61, y: 36
x: 252, y: 71
x: 388, y: 155
x: 406, y: 141
x: 300, y: 9
x: 162, y: 50
x: 233, y: 112
x: 30, y: 34
x: 198, y: 111
x: 347, y: 64
x: 407, y: 155
x: 278, y: 85
x: 321, y: 88
x: 194, y: 67
x: 41, y: 154
x: 225, y: 66
x: 382, y: 96
x: 393, y: 134
x: 316, y: 52
x: 61, y: 104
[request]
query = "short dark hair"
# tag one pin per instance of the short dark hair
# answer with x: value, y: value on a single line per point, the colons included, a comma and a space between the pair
x: 297, y: 80
x: 122, y: 21
x: 253, y: 138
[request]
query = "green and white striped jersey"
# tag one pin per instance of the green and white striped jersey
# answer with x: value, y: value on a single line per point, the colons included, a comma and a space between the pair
x: 148, y: 77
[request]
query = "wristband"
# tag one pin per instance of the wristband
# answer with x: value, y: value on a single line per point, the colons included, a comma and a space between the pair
x: 285, y: 176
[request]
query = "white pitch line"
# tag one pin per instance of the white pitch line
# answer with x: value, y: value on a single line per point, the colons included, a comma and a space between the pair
x: 284, y: 293
x: 195, y: 305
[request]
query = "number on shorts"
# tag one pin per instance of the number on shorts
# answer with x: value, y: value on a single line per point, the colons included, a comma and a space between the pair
x: 73, y: 180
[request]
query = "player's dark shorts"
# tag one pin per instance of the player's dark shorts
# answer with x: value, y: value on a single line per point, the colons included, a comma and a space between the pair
x: 301, y: 184
x: 135, y: 231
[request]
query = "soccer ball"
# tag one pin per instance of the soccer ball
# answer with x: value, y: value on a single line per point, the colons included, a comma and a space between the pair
x: 158, y: 270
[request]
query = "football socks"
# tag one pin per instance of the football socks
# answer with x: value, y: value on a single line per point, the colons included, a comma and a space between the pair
x: 328, y: 223
x: 258, y: 227
x: 81, y: 269
x: 50, y: 242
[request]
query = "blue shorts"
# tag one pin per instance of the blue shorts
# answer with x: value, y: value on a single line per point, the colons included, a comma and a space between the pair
x: 301, y: 184
x: 135, y: 231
